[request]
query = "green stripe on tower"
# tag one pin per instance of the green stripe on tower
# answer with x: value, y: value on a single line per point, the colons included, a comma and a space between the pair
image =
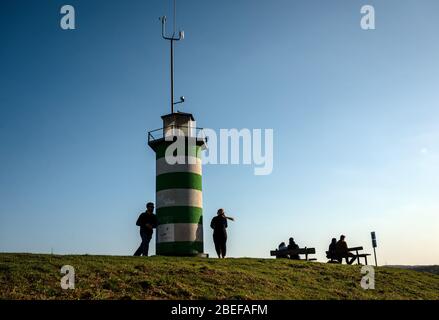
x: 178, y: 180
x: 183, y: 248
x: 192, y: 151
x: 179, y: 214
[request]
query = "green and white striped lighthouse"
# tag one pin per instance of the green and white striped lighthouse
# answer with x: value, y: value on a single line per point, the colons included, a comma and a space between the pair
x: 179, y: 199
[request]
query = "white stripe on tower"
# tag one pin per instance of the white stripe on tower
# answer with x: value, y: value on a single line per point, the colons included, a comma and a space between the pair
x: 179, y: 197
x: 173, y: 232
x: 187, y: 164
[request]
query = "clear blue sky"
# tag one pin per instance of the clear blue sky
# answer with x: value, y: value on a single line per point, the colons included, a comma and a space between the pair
x: 355, y: 118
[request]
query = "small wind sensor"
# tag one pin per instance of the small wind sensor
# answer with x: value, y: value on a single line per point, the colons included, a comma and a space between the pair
x: 181, y: 100
x: 171, y: 39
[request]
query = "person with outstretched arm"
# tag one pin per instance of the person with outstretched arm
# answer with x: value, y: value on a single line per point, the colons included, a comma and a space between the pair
x: 147, y: 221
x: 219, y: 226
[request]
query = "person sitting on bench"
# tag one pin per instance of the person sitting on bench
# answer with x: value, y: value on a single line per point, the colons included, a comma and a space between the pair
x: 342, y: 251
x: 282, y: 251
x: 293, y: 246
x: 332, y: 251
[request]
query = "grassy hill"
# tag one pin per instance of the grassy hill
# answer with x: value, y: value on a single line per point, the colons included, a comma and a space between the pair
x: 35, y: 276
x: 432, y: 269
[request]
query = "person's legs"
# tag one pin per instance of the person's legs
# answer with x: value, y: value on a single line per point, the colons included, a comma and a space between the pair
x: 216, y: 241
x: 332, y: 256
x: 346, y: 257
x: 223, y: 247
x: 139, y: 250
x: 146, y: 238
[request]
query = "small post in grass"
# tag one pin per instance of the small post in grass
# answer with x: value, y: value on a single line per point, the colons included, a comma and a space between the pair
x: 374, y: 245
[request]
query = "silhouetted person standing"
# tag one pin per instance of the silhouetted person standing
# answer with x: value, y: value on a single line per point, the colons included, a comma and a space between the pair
x: 147, y: 221
x: 219, y: 226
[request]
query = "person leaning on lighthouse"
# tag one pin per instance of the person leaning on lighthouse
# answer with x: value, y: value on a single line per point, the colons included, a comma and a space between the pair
x: 147, y: 221
x: 219, y: 225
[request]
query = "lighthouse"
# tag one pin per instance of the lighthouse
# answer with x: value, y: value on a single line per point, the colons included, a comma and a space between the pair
x: 179, y: 198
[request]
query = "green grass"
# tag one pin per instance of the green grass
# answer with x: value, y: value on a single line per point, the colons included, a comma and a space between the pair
x: 36, y: 276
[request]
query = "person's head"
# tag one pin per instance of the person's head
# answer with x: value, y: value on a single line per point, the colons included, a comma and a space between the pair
x: 342, y: 237
x: 150, y: 207
x: 220, y: 212
x: 282, y: 244
x: 334, y: 240
x: 291, y: 240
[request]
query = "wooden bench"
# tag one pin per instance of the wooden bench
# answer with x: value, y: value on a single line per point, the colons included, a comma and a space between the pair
x: 306, y: 251
x: 357, y: 255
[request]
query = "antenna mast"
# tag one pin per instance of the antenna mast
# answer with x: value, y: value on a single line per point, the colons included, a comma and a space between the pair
x: 171, y: 40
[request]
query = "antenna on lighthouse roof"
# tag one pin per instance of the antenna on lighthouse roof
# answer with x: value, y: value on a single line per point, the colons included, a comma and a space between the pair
x: 171, y: 40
